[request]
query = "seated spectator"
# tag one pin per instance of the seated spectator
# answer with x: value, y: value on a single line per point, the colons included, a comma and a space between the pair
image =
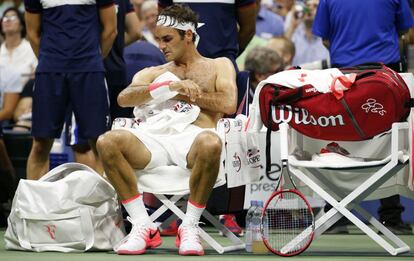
x: 22, y: 116
x: 10, y: 88
x: 268, y: 24
x: 262, y: 62
x: 284, y: 47
x: 149, y: 12
x: 210, y: 86
x: 16, y: 51
x: 137, y: 4
x: 256, y: 41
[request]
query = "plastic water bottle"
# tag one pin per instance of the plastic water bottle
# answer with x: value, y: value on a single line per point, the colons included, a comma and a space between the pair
x: 248, y: 235
x: 258, y: 247
x: 265, y: 223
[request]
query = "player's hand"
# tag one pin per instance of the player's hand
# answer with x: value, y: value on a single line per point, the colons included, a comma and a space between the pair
x: 187, y: 88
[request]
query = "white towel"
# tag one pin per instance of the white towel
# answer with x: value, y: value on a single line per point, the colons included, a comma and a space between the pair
x: 167, y: 76
x: 242, y: 154
x: 336, y: 161
x: 164, y: 118
x: 320, y: 79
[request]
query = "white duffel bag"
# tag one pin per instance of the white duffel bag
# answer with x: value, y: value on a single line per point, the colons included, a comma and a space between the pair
x: 70, y: 209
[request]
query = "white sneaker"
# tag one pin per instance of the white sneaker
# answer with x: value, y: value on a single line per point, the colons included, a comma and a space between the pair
x: 188, y: 240
x: 141, y: 237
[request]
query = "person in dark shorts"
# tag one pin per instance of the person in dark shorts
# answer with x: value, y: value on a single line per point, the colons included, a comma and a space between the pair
x: 70, y: 42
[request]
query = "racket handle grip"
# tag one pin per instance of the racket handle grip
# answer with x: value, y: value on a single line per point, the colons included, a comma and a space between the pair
x: 283, y: 128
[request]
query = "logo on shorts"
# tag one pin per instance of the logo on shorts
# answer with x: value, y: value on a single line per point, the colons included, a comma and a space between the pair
x: 238, y: 125
x: 136, y: 122
x: 181, y: 106
x: 226, y: 124
x: 236, y: 162
x: 51, y: 229
x: 121, y: 122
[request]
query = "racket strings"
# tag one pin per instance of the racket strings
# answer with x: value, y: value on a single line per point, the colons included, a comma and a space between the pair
x: 290, y: 223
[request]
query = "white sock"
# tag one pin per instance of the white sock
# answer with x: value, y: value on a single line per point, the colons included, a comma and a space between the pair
x: 136, y: 209
x: 193, y: 214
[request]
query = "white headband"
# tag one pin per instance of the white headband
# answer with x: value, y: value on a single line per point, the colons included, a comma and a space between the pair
x: 168, y: 21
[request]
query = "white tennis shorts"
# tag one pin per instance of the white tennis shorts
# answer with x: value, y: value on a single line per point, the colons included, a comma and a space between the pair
x: 169, y: 149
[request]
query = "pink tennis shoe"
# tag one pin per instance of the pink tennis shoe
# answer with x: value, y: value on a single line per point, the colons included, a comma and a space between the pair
x: 188, y: 240
x: 141, y: 238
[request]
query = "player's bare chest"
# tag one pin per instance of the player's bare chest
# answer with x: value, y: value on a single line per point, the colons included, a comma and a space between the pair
x: 203, y: 75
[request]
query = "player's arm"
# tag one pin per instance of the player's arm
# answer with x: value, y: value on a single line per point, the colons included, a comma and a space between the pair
x: 107, y: 17
x: 33, y: 21
x: 138, y: 91
x: 246, y: 19
x: 224, y: 99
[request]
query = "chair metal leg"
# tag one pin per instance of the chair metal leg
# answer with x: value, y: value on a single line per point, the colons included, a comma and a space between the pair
x: 340, y: 208
x: 156, y: 214
x: 402, y: 247
x: 237, y: 243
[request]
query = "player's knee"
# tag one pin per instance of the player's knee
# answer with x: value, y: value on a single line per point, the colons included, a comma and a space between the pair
x: 107, y: 144
x: 209, y: 145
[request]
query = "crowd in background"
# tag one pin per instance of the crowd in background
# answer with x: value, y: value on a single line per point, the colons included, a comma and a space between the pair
x: 282, y: 25
x: 283, y: 38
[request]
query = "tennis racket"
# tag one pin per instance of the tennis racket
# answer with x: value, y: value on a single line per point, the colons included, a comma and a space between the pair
x: 288, y: 223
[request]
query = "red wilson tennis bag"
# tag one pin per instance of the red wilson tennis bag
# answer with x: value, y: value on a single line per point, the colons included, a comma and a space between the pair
x: 377, y: 98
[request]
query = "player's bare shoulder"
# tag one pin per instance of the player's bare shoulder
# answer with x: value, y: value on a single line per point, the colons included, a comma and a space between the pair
x: 223, y: 63
x: 226, y: 73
